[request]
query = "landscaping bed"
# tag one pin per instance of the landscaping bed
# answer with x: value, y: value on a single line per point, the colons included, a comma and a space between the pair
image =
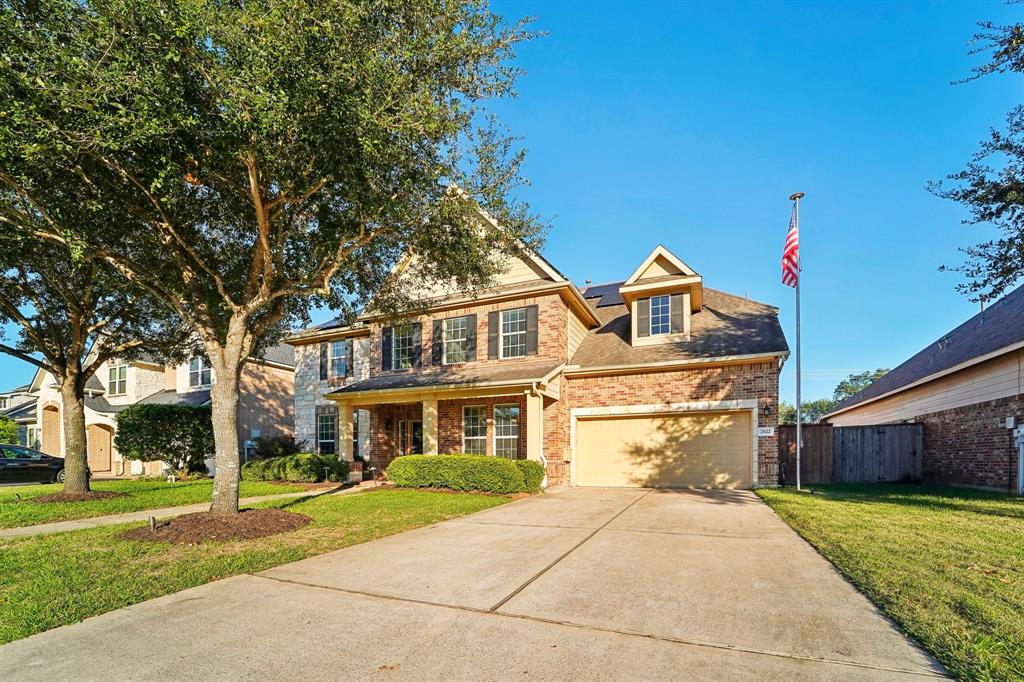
x: 18, y: 505
x: 53, y: 580
x: 947, y: 564
x: 195, y: 529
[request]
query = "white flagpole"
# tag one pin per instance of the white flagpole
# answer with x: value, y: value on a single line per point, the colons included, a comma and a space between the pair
x: 795, y: 198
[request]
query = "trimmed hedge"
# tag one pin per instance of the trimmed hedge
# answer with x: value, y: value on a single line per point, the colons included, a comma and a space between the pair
x: 533, y: 474
x: 464, y: 472
x: 301, y: 468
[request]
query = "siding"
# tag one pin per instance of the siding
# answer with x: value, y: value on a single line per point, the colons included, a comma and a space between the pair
x: 993, y: 379
x: 577, y: 332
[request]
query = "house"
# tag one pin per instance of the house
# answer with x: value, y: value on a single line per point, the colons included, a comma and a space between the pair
x: 19, y: 405
x: 967, y: 388
x: 264, y: 409
x: 656, y: 380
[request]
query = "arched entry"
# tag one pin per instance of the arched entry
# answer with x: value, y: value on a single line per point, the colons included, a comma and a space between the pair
x: 99, y: 438
x: 51, y: 430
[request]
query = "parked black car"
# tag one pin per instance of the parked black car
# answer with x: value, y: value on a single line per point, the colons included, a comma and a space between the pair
x: 25, y: 465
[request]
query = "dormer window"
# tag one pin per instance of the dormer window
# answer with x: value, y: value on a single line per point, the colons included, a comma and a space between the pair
x: 662, y: 295
x: 661, y: 315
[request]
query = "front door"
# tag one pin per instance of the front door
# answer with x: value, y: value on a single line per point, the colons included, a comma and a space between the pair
x: 417, y: 437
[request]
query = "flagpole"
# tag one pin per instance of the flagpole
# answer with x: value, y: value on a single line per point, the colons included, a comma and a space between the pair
x: 795, y: 198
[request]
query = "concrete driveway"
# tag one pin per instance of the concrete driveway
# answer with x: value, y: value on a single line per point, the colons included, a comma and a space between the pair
x: 595, y: 584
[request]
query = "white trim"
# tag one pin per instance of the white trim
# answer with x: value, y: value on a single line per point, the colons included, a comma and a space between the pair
x: 664, y: 408
x: 464, y: 408
x: 660, y: 250
x: 932, y: 377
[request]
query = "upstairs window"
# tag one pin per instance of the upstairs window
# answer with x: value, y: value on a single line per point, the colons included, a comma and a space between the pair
x: 456, y: 340
x: 474, y: 430
x: 199, y: 373
x: 513, y: 333
x: 402, y: 347
x: 337, y: 358
x: 117, y: 380
x: 661, y: 315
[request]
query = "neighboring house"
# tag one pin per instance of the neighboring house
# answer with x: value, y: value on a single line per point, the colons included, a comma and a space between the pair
x: 653, y: 381
x: 967, y: 389
x: 265, y: 405
x: 19, y: 404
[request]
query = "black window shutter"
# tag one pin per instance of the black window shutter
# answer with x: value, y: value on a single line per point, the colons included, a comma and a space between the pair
x: 417, y: 344
x: 349, y: 357
x: 323, y: 361
x: 493, y: 320
x: 470, y: 338
x: 437, y: 343
x: 531, y: 330
x: 643, y: 317
x: 385, y: 348
x: 676, y: 313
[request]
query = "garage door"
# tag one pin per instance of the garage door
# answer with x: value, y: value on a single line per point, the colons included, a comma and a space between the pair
x: 691, y: 450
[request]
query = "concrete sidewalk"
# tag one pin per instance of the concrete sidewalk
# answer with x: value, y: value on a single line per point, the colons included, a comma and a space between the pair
x: 161, y: 513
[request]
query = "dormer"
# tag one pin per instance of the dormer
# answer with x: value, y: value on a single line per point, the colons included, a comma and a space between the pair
x: 662, y: 294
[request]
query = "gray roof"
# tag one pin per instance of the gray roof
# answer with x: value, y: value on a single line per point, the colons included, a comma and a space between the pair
x: 172, y: 397
x: 1001, y: 325
x: 25, y: 411
x: 505, y: 371
x: 282, y: 354
x: 94, y: 384
x: 727, y: 325
x: 17, y: 389
x: 98, y: 403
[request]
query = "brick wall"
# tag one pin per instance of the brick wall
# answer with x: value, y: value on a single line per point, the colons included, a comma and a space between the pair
x: 382, y: 441
x: 556, y: 436
x: 971, y: 445
x: 449, y: 422
x: 266, y: 401
x: 758, y: 381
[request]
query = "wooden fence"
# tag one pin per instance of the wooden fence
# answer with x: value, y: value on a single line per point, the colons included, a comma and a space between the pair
x: 852, y: 454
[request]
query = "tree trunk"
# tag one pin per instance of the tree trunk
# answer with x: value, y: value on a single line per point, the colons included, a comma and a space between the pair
x: 227, y: 364
x: 76, y: 458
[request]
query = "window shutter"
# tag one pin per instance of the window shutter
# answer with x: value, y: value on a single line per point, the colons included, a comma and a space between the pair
x: 493, y: 334
x: 675, y: 308
x: 437, y: 343
x: 531, y: 330
x: 349, y: 357
x: 385, y: 348
x: 417, y: 344
x: 643, y: 317
x: 470, y: 338
x: 323, y: 361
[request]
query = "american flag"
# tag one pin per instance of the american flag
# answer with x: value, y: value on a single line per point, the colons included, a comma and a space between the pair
x: 791, y: 254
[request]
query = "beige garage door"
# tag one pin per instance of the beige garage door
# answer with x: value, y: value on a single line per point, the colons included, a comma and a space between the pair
x: 692, y: 450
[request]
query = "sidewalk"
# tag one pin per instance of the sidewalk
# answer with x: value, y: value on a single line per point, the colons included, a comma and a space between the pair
x: 162, y: 513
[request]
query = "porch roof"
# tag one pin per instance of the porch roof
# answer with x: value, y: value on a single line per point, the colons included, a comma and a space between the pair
x: 459, y: 376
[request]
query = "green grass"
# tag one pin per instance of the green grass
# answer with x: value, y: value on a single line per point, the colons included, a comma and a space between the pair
x: 140, y: 495
x: 945, y: 563
x: 54, y: 580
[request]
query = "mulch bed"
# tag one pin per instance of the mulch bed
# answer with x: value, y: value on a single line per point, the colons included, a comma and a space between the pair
x: 194, y: 529
x: 77, y: 497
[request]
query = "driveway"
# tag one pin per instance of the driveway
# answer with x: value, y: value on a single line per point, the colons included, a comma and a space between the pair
x: 595, y: 584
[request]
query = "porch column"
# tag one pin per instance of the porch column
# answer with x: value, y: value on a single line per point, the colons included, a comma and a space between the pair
x: 430, y: 426
x: 535, y: 426
x: 345, y: 431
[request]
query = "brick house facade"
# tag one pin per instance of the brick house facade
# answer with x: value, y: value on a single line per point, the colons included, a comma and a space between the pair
x: 535, y: 357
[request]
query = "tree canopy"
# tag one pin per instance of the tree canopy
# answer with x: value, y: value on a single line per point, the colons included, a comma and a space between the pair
x: 813, y: 410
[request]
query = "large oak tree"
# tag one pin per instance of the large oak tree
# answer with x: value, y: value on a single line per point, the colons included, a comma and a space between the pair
x: 266, y: 157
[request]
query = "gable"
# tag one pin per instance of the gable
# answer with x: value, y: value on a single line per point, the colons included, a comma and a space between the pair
x: 660, y: 263
x: 513, y: 270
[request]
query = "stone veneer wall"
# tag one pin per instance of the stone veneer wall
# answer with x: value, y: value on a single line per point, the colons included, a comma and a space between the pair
x: 758, y: 381
x: 310, y: 390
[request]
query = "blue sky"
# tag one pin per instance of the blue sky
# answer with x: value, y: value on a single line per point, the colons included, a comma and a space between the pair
x: 690, y: 125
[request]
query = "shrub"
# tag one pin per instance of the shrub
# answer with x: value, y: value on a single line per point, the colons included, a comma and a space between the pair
x: 266, y: 447
x: 457, y: 472
x: 533, y: 474
x: 179, y: 435
x: 300, y: 468
x: 8, y: 431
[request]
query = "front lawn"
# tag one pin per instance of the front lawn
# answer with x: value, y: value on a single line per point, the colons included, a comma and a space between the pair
x: 946, y: 563
x: 52, y: 580
x: 139, y: 495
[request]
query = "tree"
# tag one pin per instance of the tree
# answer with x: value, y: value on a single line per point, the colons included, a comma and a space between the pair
x: 72, y: 315
x: 264, y: 158
x: 991, y: 186
x: 856, y: 382
x: 8, y: 431
x: 810, y: 411
x: 179, y: 435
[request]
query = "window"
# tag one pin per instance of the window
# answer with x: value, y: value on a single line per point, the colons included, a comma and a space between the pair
x: 199, y: 372
x: 3, y: 403
x: 456, y: 340
x: 401, y: 347
x: 506, y: 431
x: 661, y: 318
x: 474, y: 430
x: 513, y: 333
x: 336, y: 358
x: 326, y: 433
x: 355, y: 434
x: 117, y: 380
